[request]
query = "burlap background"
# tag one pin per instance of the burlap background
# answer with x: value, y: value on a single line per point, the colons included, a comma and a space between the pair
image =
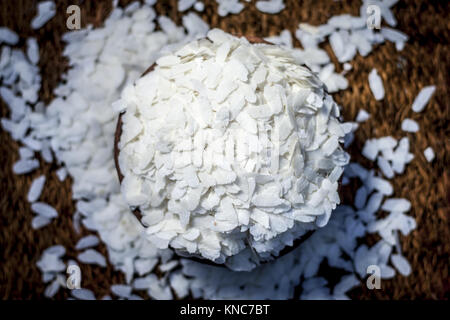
x: 424, y: 61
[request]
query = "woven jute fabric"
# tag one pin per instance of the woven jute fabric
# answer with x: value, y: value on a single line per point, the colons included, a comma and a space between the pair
x: 425, y: 60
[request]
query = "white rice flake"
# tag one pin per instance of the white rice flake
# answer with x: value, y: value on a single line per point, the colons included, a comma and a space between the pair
x: 106, y: 59
x: 199, y: 6
x: 387, y: 272
x: 44, y: 209
x: 204, y: 163
x: 36, y: 189
x: 56, y: 250
x: 24, y: 166
x: 87, y: 242
x: 229, y: 6
x: 429, y: 154
x: 361, y: 197
x: 362, y: 116
x: 40, y: 222
x: 370, y: 149
x: 50, y: 261
x: 121, y: 290
x: 46, y: 10
x: 82, y: 294
x: 347, y: 282
x: 376, y: 85
x: 184, y: 5
x: 393, y: 35
x: 422, y: 98
x: 401, y: 264
x: 8, y: 36
x: 270, y: 6
x: 52, y: 288
x: 61, y: 173
x: 91, y: 256
x: 409, y: 125
x: 180, y: 285
x: 33, y: 50
x: 144, y: 266
x: 385, y: 167
x: 25, y: 153
x: 397, y: 205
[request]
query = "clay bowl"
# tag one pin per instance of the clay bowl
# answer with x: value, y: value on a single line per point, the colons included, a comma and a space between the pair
x: 137, y: 213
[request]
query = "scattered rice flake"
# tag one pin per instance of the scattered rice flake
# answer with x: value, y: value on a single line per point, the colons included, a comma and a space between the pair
x: 33, y: 50
x: 401, y: 264
x: 362, y: 116
x: 46, y: 10
x: 121, y: 290
x: 39, y: 222
x: 199, y: 6
x: 82, y: 294
x: 361, y: 197
x: 409, y: 125
x: 52, y: 288
x: 180, y: 285
x: 270, y: 6
x: 36, y: 189
x: 397, y: 205
x: 44, y: 209
x: 429, y: 154
x: 385, y: 167
x: 347, y: 282
x: 87, y: 242
x: 184, y: 5
x: 422, y: 98
x: 8, y: 36
x: 91, y: 256
x: 168, y: 266
x: 376, y: 85
x: 393, y: 35
x: 61, y: 173
x: 229, y: 6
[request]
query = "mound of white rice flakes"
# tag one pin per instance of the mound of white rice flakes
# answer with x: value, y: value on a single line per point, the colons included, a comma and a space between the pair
x: 77, y: 130
x: 230, y: 150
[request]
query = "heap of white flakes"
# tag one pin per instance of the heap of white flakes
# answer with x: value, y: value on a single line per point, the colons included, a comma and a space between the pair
x: 230, y: 150
x: 78, y: 128
x: 46, y: 10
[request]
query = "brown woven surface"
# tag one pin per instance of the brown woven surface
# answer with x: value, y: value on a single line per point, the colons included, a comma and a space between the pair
x: 424, y: 61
